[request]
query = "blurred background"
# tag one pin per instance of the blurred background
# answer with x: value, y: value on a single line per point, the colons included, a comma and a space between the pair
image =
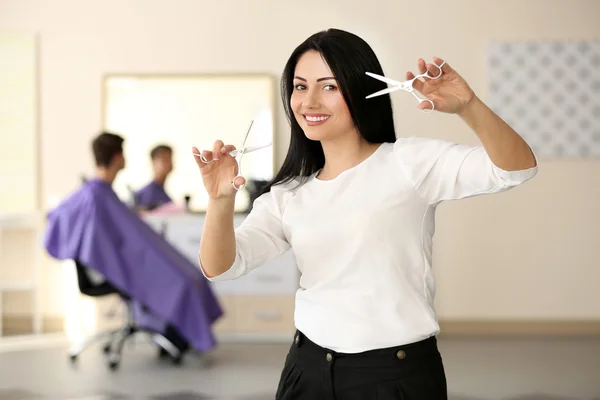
x: 517, y: 273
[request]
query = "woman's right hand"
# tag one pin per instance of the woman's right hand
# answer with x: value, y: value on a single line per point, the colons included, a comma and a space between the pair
x: 220, y: 171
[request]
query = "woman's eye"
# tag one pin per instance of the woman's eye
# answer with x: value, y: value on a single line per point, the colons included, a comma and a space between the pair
x: 299, y: 87
x: 329, y: 87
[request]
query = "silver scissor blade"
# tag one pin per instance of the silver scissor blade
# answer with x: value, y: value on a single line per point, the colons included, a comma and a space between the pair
x: 384, y: 91
x: 384, y: 79
x: 247, y: 133
x: 251, y: 149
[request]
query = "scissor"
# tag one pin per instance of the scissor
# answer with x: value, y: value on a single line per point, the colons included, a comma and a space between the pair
x: 406, y: 85
x: 237, y: 154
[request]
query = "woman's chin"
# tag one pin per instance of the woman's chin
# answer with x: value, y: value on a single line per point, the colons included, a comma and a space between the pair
x: 316, y: 133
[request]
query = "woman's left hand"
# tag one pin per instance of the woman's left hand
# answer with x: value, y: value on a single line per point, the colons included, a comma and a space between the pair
x: 450, y: 93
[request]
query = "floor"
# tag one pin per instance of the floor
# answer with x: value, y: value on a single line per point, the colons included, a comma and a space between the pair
x: 477, y: 369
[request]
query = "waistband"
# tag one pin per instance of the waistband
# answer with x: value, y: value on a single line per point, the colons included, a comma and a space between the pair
x: 305, y: 349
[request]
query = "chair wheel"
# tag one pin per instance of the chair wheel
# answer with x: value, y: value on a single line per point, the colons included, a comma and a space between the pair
x: 178, y: 360
x: 113, y: 361
x: 162, y: 353
x: 73, y: 358
x: 106, y: 349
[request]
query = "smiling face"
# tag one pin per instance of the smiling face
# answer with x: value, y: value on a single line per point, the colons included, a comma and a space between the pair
x: 317, y: 101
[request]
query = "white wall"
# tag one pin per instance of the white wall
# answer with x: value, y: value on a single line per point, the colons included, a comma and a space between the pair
x: 18, y: 122
x: 529, y: 253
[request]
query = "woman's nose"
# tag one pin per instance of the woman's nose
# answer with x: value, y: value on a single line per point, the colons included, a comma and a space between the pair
x: 310, y: 99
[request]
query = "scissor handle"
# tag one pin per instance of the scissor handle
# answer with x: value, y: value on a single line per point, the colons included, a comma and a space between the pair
x: 427, y: 110
x: 238, y: 188
x: 232, y: 153
x: 203, y: 159
x: 239, y: 171
x: 427, y: 75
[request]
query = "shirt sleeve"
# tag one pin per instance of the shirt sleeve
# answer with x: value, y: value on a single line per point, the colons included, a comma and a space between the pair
x: 259, y: 238
x: 441, y: 170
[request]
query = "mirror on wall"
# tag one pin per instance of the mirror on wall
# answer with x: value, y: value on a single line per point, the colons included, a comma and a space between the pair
x: 184, y: 111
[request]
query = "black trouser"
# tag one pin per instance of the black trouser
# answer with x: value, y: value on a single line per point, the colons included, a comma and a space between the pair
x: 409, y: 372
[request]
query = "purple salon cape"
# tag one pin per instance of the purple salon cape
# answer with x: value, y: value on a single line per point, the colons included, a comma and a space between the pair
x: 93, y: 226
x: 152, y: 195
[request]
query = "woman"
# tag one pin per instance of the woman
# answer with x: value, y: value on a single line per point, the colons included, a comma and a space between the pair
x: 357, y: 208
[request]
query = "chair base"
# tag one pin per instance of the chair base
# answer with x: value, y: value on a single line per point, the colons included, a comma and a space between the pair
x: 115, y: 340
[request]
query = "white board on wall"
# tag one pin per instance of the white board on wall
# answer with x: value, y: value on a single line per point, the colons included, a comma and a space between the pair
x: 18, y: 123
x: 549, y: 92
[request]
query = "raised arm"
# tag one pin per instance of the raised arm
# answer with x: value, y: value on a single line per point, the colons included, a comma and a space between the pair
x: 228, y: 253
x: 451, y: 94
x: 505, y: 147
x: 442, y: 170
x: 217, y: 244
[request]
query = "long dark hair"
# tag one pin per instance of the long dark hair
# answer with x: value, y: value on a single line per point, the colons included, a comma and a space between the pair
x: 348, y: 57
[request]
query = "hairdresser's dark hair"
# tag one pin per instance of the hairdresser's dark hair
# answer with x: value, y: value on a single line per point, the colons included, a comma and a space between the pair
x: 105, y: 147
x: 159, y: 149
x: 349, y: 57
